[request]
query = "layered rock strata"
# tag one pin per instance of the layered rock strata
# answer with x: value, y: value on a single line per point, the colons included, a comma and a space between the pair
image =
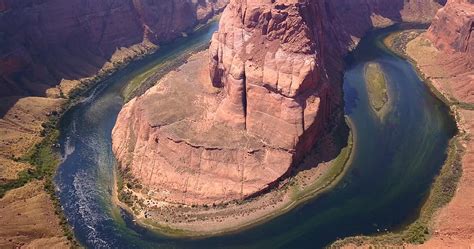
x: 274, y: 101
x: 445, y: 53
x: 48, y: 42
x: 276, y: 67
x: 45, y: 42
x: 169, y: 141
x: 452, y: 35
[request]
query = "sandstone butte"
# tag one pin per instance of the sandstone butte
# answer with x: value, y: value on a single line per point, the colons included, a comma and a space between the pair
x: 271, y: 91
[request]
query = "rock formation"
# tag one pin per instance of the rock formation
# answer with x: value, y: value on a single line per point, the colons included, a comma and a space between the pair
x: 353, y: 18
x: 270, y: 61
x: 452, y: 28
x: 277, y: 65
x: 43, y: 42
x: 445, y: 55
x: 452, y: 34
x: 446, y: 52
x: 275, y: 100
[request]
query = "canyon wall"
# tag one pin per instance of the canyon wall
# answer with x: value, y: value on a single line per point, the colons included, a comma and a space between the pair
x: 272, y: 63
x: 445, y: 53
x: 274, y: 101
x: 277, y: 65
x: 353, y: 18
x: 445, y: 56
x: 452, y: 27
x: 283, y: 53
x: 452, y: 34
x: 43, y: 42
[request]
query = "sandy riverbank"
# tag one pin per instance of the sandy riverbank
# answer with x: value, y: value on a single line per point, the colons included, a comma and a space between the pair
x: 27, y: 214
x: 202, y: 221
x: 447, y: 216
x: 307, y: 181
x: 453, y: 225
x: 24, y: 123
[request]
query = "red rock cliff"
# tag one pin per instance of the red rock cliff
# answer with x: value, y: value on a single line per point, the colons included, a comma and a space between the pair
x: 276, y: 99
x: 42, y: 42
x: 452, y: 34
x: 278, y: 65
x: 452, y: 27
x: 280, y: 61
x: 269, y: 58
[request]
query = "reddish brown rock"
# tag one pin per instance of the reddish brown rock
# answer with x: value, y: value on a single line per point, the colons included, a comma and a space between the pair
x: 452, y: 32
x: 447, y: 57
x: 278, y: 65
x: 279, y: 62
x: 170, y: 143
x: 43, y: 42
x: 275, y: 100
x: 267, y: 59
x: 446, y: 52
x: 452, y: 28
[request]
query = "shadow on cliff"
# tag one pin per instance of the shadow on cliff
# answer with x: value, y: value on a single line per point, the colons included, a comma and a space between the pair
x: 33, y: 59
x: 26, y: 71
x: 325, y: 150
x: 42, y: 44
x: 47, y: 70
x: 32, y: 69
x: 341, y: 23
x: 353, y: 18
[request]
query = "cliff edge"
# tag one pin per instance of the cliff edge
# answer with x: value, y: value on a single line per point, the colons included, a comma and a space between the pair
x: 45, y: 43
x: 234, y: 133
x: 275, y: 70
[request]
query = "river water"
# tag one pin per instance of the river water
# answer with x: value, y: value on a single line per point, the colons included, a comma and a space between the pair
x: 394, y: 162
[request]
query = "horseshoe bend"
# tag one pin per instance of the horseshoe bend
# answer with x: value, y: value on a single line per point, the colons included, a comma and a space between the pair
x: 236, y: 123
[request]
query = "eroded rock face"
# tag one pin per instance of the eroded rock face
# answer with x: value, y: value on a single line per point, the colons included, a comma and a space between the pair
x: 275, y: 101
x: 353, y: 18
x: 267, y: 58
x: 452, y: 28
x: 277, y: 66
x: 452, y: 34
x: 168, y: 140
x: 42, y: 42
x: 276, y: 61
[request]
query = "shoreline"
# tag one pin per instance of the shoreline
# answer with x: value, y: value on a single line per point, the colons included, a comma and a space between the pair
x: 452, y: 223
x: 421, y: 230
x: 259, y: 209
x: 387, y: 99
x: 43, y: 157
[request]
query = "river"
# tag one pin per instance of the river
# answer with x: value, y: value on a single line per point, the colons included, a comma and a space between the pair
x: 394, y: 161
